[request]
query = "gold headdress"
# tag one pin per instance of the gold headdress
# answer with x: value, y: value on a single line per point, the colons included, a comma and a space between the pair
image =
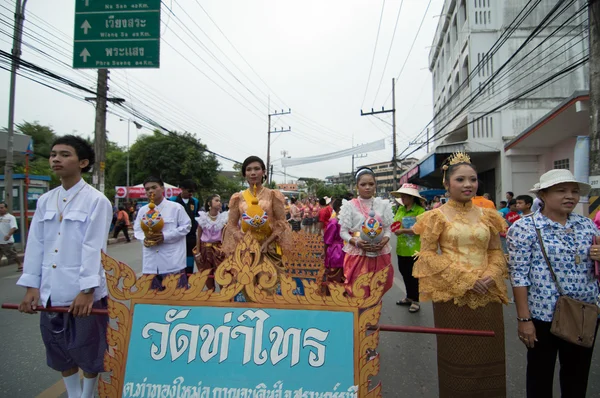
x: 455, y: 158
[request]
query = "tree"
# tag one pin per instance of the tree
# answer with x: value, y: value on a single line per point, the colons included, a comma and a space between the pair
x: 43, y: 137
x: 226, y: 187
x: 174, y: 157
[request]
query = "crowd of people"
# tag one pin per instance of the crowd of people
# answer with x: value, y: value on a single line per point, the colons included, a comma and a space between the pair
x: 457, y: 251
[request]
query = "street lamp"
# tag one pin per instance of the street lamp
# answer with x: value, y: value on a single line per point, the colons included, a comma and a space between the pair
x: 138, y: 126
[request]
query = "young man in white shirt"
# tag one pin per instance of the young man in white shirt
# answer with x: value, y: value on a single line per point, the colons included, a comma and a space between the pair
x: 8, y: 226
x: 62, y: 268
x: 165, y: 254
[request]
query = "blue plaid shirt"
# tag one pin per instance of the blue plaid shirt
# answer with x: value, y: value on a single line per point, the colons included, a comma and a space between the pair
x: 567, y: 248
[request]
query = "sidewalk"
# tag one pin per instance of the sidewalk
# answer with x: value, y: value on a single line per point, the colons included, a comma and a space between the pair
x: 111, y: 241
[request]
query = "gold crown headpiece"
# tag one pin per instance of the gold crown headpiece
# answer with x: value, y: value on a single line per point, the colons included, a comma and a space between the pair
x: 456, y: 158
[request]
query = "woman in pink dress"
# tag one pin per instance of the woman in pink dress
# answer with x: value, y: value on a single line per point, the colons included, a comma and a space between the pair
x: 334, y: 248
x: 365, y: 226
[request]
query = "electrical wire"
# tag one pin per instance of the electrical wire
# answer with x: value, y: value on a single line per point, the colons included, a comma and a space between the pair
x: 374, y: 52
x: 387, y: 58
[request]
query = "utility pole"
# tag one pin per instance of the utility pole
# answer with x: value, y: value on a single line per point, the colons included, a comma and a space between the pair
x: 394, y: 149
x: 269, y: 132
x: 100, y: 127
x: 594, y: 65
x: 10, y: 148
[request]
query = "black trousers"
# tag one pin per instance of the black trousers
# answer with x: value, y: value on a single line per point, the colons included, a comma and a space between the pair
x: 119, y: 228
x: 574, y: 360
x: 405, y: 266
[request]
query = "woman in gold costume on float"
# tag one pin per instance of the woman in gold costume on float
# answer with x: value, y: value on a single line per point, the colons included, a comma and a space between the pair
x: 259, y: 211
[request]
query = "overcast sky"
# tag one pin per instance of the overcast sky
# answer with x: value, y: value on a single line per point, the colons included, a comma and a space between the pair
x: 313, y: 56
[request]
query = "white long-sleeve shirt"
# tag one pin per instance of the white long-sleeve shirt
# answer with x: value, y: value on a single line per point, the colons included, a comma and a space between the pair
x: 168, y: 256
x: 63, y: 258
x: 351, y: 220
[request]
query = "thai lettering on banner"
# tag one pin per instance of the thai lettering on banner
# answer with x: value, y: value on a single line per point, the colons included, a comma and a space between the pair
x: 208, y: 341
x: 180, y: 390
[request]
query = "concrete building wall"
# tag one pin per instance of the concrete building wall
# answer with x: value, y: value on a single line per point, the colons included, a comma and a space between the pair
x: 466, y: 31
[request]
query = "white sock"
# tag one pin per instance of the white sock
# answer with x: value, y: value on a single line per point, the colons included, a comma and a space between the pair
x: 73, y: 385
x: 89, y: 387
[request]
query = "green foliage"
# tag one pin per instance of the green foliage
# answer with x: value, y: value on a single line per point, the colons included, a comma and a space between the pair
x: 226, y: 187
x: 271, y: 185
x: 174, y: 158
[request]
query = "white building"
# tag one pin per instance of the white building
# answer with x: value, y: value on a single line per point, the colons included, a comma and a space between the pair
x: 464, y: 98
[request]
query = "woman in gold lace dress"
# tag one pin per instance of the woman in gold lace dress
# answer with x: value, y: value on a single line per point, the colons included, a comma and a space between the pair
x: 465, y: 279
x: 260, y: 211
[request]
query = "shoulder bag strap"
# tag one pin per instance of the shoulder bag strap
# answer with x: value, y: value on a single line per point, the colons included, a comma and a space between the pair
x: 539, y: 235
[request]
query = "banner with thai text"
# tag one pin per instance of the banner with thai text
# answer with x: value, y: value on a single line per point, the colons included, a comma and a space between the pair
x: 202, y: 351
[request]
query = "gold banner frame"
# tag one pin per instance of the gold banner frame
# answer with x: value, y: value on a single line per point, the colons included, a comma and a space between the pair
x: 255, y: 275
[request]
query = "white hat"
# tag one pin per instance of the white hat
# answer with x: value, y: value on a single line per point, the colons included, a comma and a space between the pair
x: 408, y: 189
x: 559, y: 176
x: 327, y: 199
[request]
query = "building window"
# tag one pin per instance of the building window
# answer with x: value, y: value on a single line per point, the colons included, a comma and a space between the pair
x: 561, y: 164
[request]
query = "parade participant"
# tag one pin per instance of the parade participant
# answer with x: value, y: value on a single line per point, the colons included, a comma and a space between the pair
x: 565, y: 238
x: 509, y: 196
x: 210, y: 230
x: 307, y: 215
x: 258, y: 202
x: 408, y: 243
x: 316, y: 229
x: 163, y: 253
x: 324, y: 214
x: 191, y: 206
x: 365, y: 227
x: 295, y: 215
x: 334, y: 247
x: 8, y: 227
x: 122, y: 224
x: 63, y: 268
x: 287, y: 209
x: 465, y: 281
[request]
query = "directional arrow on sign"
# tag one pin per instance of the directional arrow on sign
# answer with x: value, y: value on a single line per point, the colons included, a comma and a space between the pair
x: 85, y: 26
x: 85, y: 54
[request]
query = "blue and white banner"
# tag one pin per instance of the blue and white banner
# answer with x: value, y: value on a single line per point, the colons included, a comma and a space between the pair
x: 184, y: 351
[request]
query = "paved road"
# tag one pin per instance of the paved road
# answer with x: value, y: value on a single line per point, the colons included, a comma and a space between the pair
x: 408, y: 361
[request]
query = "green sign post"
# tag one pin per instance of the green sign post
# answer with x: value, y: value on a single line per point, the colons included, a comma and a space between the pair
x: 117, y: 34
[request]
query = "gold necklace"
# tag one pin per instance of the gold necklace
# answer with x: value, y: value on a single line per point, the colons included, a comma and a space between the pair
x: 60, y: 213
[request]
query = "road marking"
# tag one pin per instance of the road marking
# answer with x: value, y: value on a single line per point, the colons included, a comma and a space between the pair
x: 12, y: 276
x: 56, y: 389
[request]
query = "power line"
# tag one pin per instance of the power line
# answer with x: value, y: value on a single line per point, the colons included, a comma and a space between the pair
x: 539, y: 85
x: 409, y: 51
x: 374, y: 52
x: 387, y: 58
x: 475, y: 95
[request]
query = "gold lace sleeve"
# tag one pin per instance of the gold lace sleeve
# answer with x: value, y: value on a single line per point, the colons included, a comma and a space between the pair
x: 279, y: 225
x: 232, y: 228
x: 496, y: 260
x: 439, y: 278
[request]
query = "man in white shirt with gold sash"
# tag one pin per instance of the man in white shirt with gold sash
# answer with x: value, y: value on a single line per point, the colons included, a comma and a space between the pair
x: 165, y: 252
x: 62, y: 268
